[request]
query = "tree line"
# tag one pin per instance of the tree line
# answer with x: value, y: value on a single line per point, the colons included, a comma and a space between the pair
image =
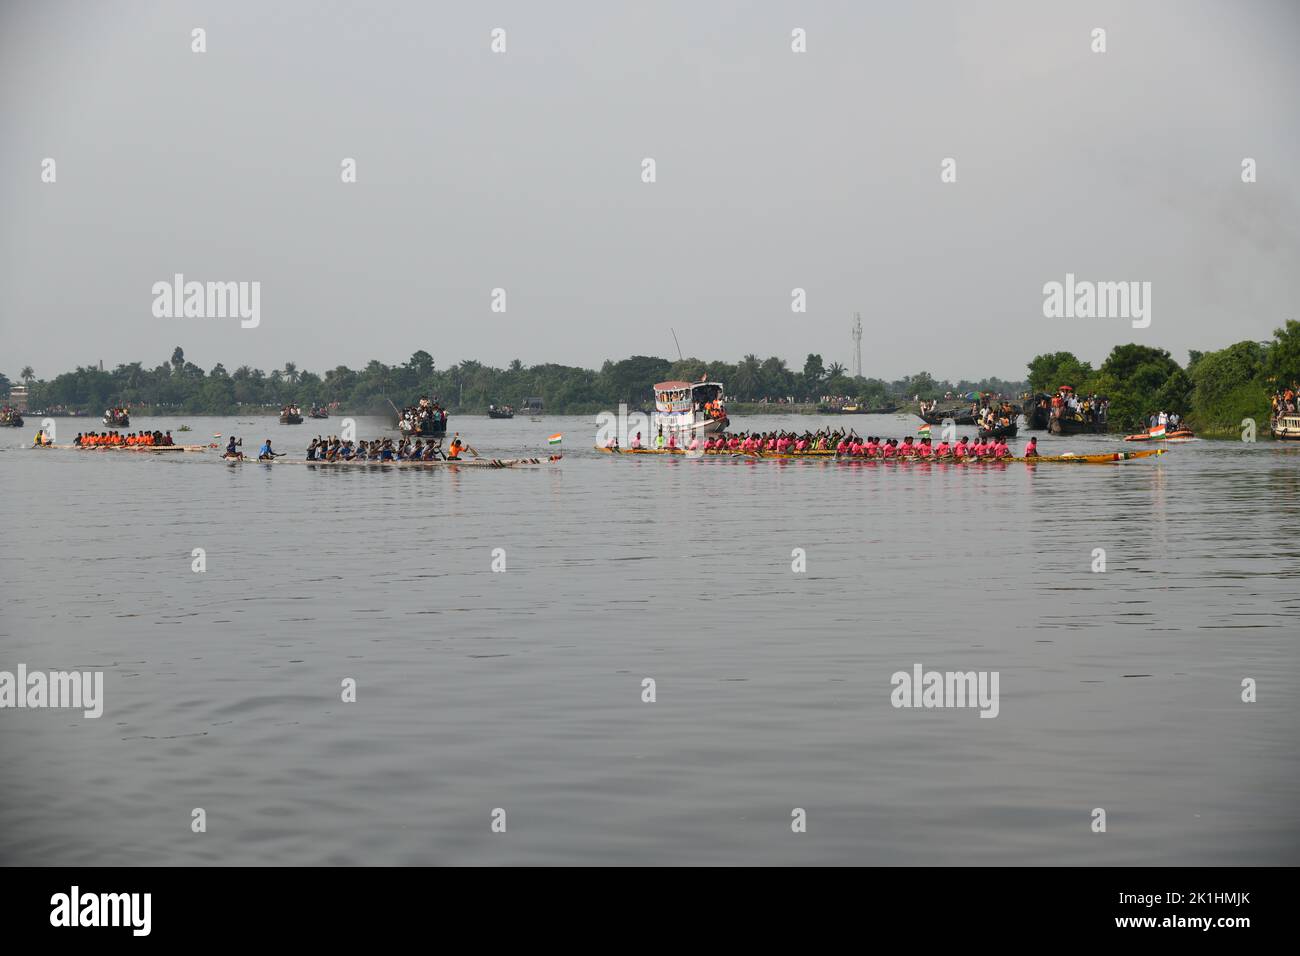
x: 1214, y: 391
x: 181, y: 386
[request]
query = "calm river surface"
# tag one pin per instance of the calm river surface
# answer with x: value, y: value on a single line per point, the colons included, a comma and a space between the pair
x: 522, y: 690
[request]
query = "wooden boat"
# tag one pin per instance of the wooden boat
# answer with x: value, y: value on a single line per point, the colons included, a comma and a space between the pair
x: 1075, y: 426
x: 319, y: 413
x: 456, y: 463
x: 1181, y: 434
x: 290, y: 419
x: 857, y: 410
x: 13, y: 421
x: 1037, y: 409
x: 500, y: 411
x: 117, y: 421
x: 427, y: 428
x: 134, y: 449
x: 999, y: 431
x: 1286, y: 428
x: 959, y: 416
x: 1099, y: 459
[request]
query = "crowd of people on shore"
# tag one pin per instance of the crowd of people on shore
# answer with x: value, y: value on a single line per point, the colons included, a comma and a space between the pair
x: 112, y: 438
x: 423, y: 417
x: 839, y: 443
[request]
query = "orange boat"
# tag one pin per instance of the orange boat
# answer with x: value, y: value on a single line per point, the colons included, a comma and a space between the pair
x: 1180, y: 434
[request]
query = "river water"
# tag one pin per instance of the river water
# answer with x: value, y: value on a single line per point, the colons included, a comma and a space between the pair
x: 522, y: 690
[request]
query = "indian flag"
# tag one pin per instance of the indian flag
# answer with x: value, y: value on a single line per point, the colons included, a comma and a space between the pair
x: 556, y: 438
x: 1158, y: 431
x: 924, y: 430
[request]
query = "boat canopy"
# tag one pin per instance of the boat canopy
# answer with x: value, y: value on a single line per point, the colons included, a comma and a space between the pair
x: 672, y: 397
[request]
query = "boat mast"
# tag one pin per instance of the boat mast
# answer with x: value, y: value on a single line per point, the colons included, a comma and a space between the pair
x: 857, y: 344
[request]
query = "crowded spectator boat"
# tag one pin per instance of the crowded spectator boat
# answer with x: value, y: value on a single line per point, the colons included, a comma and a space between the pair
x: 423, y: 419
x: 1069, y: 414
x: 500, y: 411
x: 689, y: 409
x: 117, y: 418
x: 10, y: 417
x: 290, y: 415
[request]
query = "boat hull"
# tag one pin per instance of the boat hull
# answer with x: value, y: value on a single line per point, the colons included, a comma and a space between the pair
x: 427, y: 429
x: 453, y: 463
x: 1072, y: 426
x: 123, y: 422
x: 1000, y: 431
x: 1182, y: 434
x: 958, y: 416
x: 290, y: 419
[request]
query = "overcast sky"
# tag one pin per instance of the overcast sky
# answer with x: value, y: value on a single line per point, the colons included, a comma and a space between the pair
x: 522, y: 170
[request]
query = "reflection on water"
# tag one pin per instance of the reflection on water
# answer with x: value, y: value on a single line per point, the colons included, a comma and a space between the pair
x: 523, y: 689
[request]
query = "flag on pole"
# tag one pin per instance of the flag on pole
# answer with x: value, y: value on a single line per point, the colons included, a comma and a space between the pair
x: 924, y: 430
x: 556, y: 438
x: 1158, y: 431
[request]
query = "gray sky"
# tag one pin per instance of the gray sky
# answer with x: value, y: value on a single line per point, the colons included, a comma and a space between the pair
x: 775, y: 170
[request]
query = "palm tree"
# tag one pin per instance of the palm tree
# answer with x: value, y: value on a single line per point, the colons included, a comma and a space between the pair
x: 835, y: 371
x: 27, y: 375
x: 291, y: 373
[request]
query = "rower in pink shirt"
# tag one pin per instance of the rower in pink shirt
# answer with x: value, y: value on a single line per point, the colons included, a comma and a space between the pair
x: 924, y: 449
x: 888, y: 450
x: 944, y: 450
x: 695, y: 443
x: 672, y: 440
x: 635, y: 442
x: 960, y: 450
x: 1003, y: 450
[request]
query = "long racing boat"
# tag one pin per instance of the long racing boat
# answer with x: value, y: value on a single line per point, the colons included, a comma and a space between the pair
x: 829, y: 455
x: 452, y: 462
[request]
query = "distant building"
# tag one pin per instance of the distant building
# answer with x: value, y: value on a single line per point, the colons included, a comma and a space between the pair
x: 18, y: 397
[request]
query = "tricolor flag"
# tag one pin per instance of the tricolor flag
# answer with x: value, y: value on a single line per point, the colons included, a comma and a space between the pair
x: 556, y: 438
x: 924, y: 430
x: 1158, y: 431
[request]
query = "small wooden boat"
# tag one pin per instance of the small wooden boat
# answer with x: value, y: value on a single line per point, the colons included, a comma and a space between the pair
x: 1180, y: 434
x: 290, y: 419
x: 12, y: 421
x: 909, y: 460
x: 1037, y: 408
x: 1075, y: 426
x: 1000, y: 431
x: 959, y: 416
x: 857, y: 409
x: 319, y: 413
x: 500, y: 411
x: 117, y: 421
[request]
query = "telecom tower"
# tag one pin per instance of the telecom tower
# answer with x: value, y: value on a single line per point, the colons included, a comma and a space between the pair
x: 857, y: 344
